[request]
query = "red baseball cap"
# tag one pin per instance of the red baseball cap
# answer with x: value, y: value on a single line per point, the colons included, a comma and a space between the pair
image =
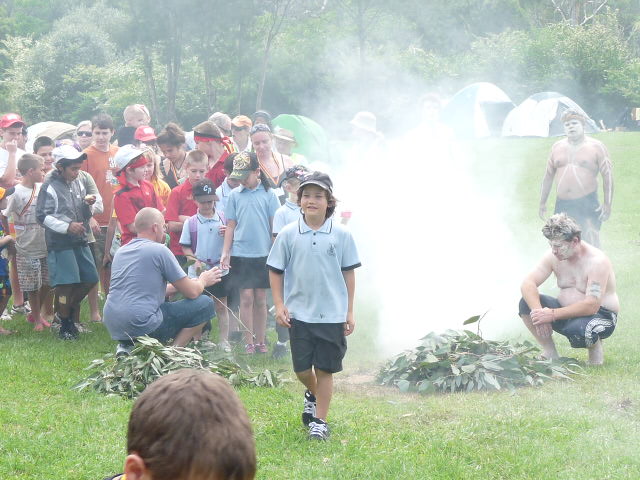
x: 144, y: 133
x: 10, y: 119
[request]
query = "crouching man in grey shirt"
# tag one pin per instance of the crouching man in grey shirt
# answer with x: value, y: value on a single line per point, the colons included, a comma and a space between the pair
x: 140, y: 273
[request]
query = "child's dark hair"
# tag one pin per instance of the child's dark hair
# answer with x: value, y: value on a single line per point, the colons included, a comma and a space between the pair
x: 191, y: 424
x: 331, y: 200
x: 228, y: 163
x: 43, y: 142
x: 103, y: 121
x: 29, y: 161
x: 172, y: 135
x: 255, y: 165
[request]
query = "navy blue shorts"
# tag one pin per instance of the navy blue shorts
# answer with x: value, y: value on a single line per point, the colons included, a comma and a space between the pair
x: 582, y: 332
x: 321, y: 345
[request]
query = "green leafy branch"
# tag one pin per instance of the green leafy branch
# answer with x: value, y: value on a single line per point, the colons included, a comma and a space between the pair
x: 129, y: 375
x: 463, y: 361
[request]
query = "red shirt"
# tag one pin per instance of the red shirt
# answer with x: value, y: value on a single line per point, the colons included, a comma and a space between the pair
x: 216, y: 173
x: 129, y: 200
x: 180, y: 203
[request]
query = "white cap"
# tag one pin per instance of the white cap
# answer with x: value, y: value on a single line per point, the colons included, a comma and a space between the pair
x: 124, y: 155
x: 67, y: 152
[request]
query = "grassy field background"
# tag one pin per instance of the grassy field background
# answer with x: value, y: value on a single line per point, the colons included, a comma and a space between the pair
x: 587, y: 429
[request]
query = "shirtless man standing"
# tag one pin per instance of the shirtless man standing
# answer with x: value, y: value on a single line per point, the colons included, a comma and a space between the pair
x: 577, y: 160
x: 586, y: 309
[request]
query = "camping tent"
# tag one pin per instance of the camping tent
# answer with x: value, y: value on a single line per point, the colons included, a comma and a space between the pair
x: 53, y: 130
x: 539, y: 116
x: 477, y: 111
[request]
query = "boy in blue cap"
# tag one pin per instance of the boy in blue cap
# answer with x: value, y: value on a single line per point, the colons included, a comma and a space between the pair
x: 315, y: 258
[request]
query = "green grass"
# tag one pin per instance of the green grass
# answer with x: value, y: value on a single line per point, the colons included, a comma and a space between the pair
x: 587, y: 429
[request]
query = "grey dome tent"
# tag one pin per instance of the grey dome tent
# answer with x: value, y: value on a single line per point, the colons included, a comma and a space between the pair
x: 477, y: 111
x: 539, y: 116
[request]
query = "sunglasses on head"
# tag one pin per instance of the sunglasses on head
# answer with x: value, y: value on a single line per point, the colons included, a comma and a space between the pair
x: 84, y: 133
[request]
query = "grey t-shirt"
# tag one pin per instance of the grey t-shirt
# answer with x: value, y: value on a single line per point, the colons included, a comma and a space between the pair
x: 139, y: 275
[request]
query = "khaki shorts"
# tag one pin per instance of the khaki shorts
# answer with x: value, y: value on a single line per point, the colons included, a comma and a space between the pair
x: 33, y: 273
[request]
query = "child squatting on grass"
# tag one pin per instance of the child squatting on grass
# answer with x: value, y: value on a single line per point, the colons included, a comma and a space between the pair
x: 189, y: 425
x: 315, y: 259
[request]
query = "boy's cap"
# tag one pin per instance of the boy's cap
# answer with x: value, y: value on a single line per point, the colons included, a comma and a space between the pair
x: 241, y: 166
x: 299, y: 172
x: 320, y: 179
x: 124, y: 156
x: 68, y: 153
x: 5, y: 192
x: 145, y: 133
x: 284, y: 134
x: 204, y: 189
x: 207, y: 131
x: 11, y: 119
x: 242, y: 121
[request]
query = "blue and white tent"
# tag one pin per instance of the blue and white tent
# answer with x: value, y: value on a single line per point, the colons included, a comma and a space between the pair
x: 477, y: 111
x: 539, y: 116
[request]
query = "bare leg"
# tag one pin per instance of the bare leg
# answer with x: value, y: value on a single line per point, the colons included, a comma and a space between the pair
x: 324, y: 390
x: 186, y: 334
x: 40, y: 322
x: 596, y: 353
x: 223, y: 318
x: 18, y: 297
x: 105, y: 278
x: 543, y: 337
x: 246, y: 313
x: 46, y: 303
x: 308, y: 379
x: 260, y: 314
x: 93, y: 304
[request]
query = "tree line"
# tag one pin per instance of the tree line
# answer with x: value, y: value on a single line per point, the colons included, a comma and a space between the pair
x: 185, y: 59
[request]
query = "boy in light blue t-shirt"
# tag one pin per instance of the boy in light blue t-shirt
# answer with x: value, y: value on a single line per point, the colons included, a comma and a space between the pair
x: 202, y: 240
x: 314, y: 260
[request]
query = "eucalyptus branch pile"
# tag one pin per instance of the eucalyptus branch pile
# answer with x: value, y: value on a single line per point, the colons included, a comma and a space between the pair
x: 463, y: 361
x: 129, y: 375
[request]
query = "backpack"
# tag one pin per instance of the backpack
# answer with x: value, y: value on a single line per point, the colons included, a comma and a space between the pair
x: 193, y: 229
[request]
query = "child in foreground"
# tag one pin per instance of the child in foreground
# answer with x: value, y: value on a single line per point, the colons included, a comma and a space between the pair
x: 189, y: 425
x: 201, y: 240
x: 315, y: 258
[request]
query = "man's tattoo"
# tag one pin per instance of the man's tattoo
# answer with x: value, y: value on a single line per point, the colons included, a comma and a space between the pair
x: 595, y: 290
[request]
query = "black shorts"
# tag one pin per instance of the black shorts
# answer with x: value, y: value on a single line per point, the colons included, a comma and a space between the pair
x: 220, y: 289
x: 249, y: 272
x: 321, y: 345
x: 582, y: 332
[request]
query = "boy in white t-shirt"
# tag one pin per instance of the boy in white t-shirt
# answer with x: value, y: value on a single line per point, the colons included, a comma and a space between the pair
x: 31, y: 256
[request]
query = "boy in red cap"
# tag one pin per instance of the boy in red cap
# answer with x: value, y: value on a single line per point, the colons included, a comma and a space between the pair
x: 135, y: 192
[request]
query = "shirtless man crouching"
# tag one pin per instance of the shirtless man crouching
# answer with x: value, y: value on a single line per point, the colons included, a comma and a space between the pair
x: 586, y: 309
x: 577, y: 160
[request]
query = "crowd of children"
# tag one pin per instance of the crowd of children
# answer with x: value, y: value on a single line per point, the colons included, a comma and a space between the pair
x: 232, y: 202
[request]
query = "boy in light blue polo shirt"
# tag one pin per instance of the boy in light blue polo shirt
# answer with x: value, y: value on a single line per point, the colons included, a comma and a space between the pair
x: 315, y: 258
x: 202, y: 240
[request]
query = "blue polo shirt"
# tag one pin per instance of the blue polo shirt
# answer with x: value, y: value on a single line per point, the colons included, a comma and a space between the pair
x: 209, y: 241
x: 312, y: 262
x: 286, y: 214
x: 253, y: 211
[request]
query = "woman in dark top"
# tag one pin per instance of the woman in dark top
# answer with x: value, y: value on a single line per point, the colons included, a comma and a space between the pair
x: 171, y: 141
